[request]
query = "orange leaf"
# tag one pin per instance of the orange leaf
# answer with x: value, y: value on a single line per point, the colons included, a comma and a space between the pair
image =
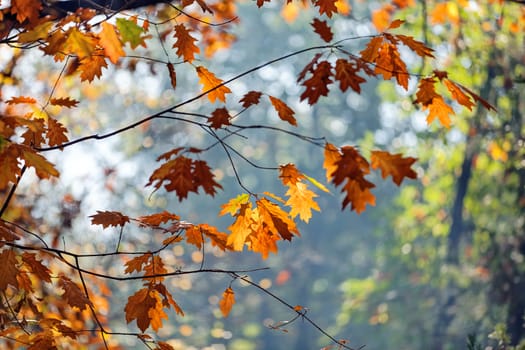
x: 194, y: 236
x: 289, y: 174
x: 138, y: 306
x: 111, y: 43
x: 91, y: 68
x: 346, y: 74
x: 396, y: 24
x: 317, y: 84
x: 10, y: 166
x: 79, y: 43
x: 440, y: 109
x: 250, y: 98
x: 357, y: 196
x: 394, y: 165
x: 135, y: 264
x: 26, y: 9
x: 301, y: 200
x: 185, y: 43
x: 417, y: 46
x: 234, y: 204
x: 276, y: 219
x: 284, y: 112
x: 331, y: 158
x: 458, y: 94
x: 426, y: 92
x: 227, y: 301
x: 218, y: 239
x: 8, y: 269
x: 370, y: 53
x: 219, y: 117
x: 327, y: 7
x: 389, y: 64
x: 109, y: 218
x: 173, y: 75
x: 73, y: 295
x: 20, y: 99
x: 477, y: 98
x: 158, y: 218
x: 64, y: 102
x: 381, y: 17
x: 43, y: 168
x: 322, y: 28
x: 211, y: 85
x: 156, y: 313
x: 241, y: 228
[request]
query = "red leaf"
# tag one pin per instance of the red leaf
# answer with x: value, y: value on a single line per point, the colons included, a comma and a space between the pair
x: 322, y: 28
x: 73, y: 295
x: 250, y: 98
x: 219, y: 117
x: 346, y: 74
x: 184, y: 44
x: 327, y: 7
x: 8, y: 269
x: 173, y: 75
x: 284, y: 112
x: 317, y: 84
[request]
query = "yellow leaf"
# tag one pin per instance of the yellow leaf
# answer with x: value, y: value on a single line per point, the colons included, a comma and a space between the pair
x: 241, y: 228
x: 301, y: 200
x: 79, y: 43
x: 212, y: 85
x: 234, y: 204
x: 41, y: 31
x: 227, y: 301
x: 440, y: 109
x: 331, y: 157
x: 317, y: 184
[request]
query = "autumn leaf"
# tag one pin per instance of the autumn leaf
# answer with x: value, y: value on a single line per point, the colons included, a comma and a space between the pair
x: 234, y: 204
x: 173, y: 75
x: 322, y: 28
x: 301, y: 201
x: 158, y: 218
x: 64, y: 102
x: 78, y: 43
x: 194, y: 236
x: 177, y: 173
x: 26, y: 9
x: 458, y: 94
x: 440, y: 109
x: 131, y: 32
x: 41, y: 31
x: 346, y: 74
x: 36, y: 267
x: 250, y: 98
x: 10, y: 166
x: 317, y: 85
x: 218, y: 239
x: 227, y: 301
x: 109, y: 218
x: 156, y: 314
x: 395, y: 24
x: 370, y: 53
x: 282, y: 109
x: 8, y: 269
x: 138, y: 306
x: 56, y: 132
x: 184, y: 43
x: 331, y: 158
x: 43, y: 168
x: 20, y: 100
x: 73, y: 295
x: 136, y: 263
x: 203, y: 177
x: 164, y: 346
x: 278, y: 221
x: 417, y: 46
x: 327, y: 7
x: 357, y: 196
x: 394, y: 165
x: 219, y: 117
x: 382, y: 16
x: 111, y: 43
x: 241, y: 227
x: 91, y: 68
x: 389, y: 64
x: 212, y: 86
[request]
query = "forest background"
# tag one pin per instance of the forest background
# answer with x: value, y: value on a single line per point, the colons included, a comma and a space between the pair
x: 436, y: 263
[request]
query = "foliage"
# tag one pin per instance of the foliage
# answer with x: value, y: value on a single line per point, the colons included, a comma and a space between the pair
x: 50, y: 295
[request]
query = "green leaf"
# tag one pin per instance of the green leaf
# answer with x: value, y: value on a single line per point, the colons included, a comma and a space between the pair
x: 130, y: 32
x: 317, y: 184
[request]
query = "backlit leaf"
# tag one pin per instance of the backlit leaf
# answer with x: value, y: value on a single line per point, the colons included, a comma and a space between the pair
x: 289, y: 174
x: 20, y: 99
x: 158, y: 218
x: 138, y: 306
x: 56, y: 132
x: 212, y: 85
x: 394, y: 165
x: 440, y: 109
x: 282, y: 109
x: 26, y: 9
x: 227, y: 301
x: 184, y: 43
x: 8, y: 269
x: 331, y: 158
x: 91, y: 68
x: 109, y: 218
x: 301, y: 201
x: 79, y: 43
x: 73, y: 295
x: 327, y: 7
x: 111, y: 43
x: 131, y: 32
x: 219, y: 117
x: 36, y: 267
x: 136, y: 263
x: 277, y: 219
x: 43, y: 168
x: 234, y: 204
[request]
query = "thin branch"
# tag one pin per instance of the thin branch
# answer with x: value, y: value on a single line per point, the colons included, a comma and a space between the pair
x: 12, y: 191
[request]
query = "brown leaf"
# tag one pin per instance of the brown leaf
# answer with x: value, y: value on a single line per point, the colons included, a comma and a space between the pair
x: 73, y: 295
x: 109, y: 218
x: 173, y: 75
x: 36, y: 266
x: 250, y: 98
x: 327, y: 7
x: 346, y: 74
x: 322, y: 28
x: 56, y: 132
x: 8, y: 269
x: 394, y: 165
x: 184, y: 43
x: 158, y: 218
x: 219, y: 117
x: 135, y: 264
x: 317, y: 85
x: 138, y: 306
x: 284, y: 112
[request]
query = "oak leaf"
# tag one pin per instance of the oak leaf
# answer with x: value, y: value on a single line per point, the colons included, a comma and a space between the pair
x: 241, y: 227
x: 20, y: 100
x: 250, y: 98
x: 327, y: 7
x: 41, y: 31
x: 289, y: 174
x: 79, y: 43
x: 394, y: 165
x: 440, y: 109
x: 458, y: 94
x: 346, y: 74
x: 357, y: 196
x: 8, y: 269
x: 158, y: 218
x: 322, y: 28
x: 26, y: 9
x: 184, y: 43
x: 73, y: 295
x: 135, y: 264
x: 317, y: 85
x: 111, y: 43
x: 301, y: 201
x: 194, y: 236
x: 370, y: 53
x: 91, y: 68
x: 234, y: 204
x: 10, y: 166
x: 64, y: 102
x: 278, y: 221
x: 219, y: 117
x: 227, y: 301
x: 212, y: 86
x: 332, y: 155
x: 109, y: 218
x: 36, y: 267
x: 218, y: 239
x: 282, y: 109
x: 389, y: 64
x: 131, y: 32
x: 173, y: 75
x: 417, y: 46
x: 203, y: 177
x: 43, y: 168
x: 138, y: 306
